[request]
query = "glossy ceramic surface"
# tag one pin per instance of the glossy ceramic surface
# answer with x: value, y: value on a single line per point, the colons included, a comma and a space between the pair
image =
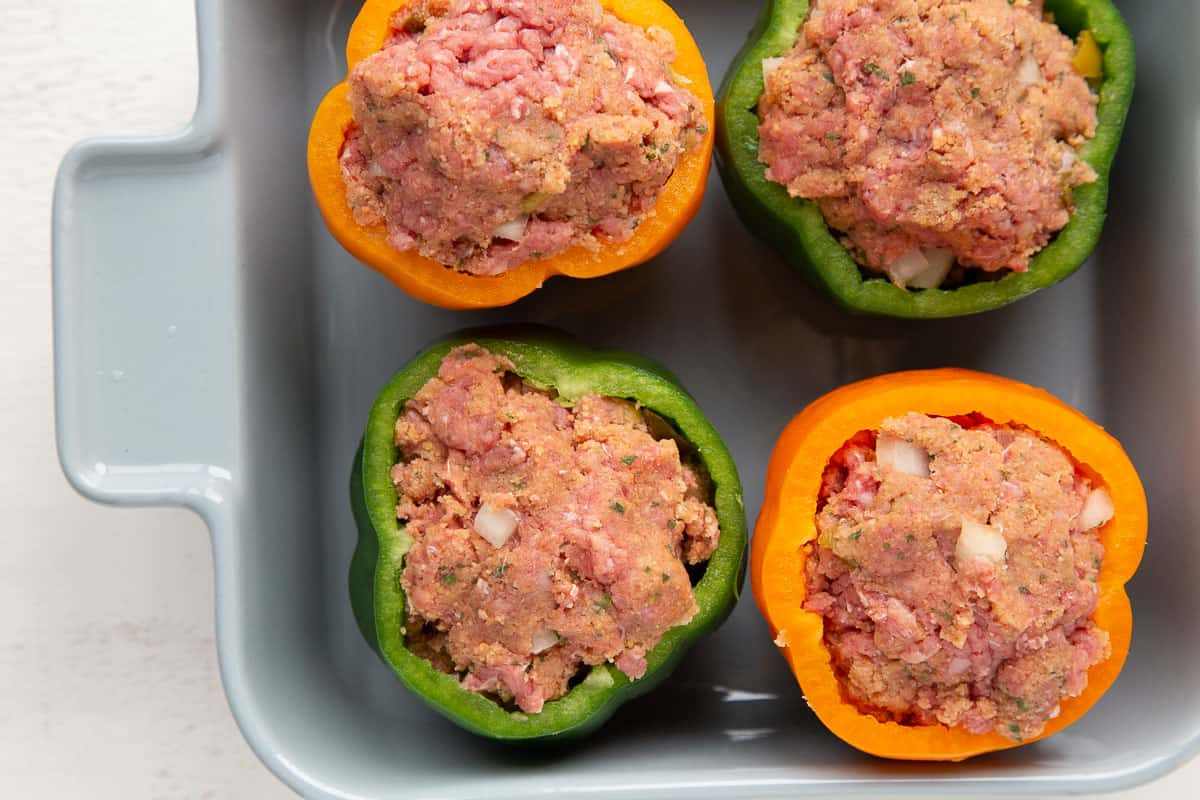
x: 216, y: 349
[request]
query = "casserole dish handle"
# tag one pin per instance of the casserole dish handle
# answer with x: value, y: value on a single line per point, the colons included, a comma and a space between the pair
x: 145, y: 349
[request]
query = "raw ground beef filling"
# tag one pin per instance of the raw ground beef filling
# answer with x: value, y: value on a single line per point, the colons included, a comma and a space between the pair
x: 955, y: 569
x: 491, y: 132
x: 930, y: 131
x: 545, y: 538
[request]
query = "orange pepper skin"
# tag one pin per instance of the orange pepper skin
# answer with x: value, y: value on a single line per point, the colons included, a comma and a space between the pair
x: 787, y: 524
x: 431, y: 282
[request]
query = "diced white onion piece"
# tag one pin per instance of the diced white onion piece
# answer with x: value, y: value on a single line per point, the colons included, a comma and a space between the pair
x: 979, y: 541
x: 1097, y: 510
x: 377, y: 170
x: 902, y: 456
x: 1029, y: 72
x: 513, y: 230
x: 679, y: 79
x: 940, y: 261
x: 495, y: 524
x: 662, y: 87
x: 769, y: 65
x: 908, y: 266
x: 543, y: 640
x: 1068, y: 159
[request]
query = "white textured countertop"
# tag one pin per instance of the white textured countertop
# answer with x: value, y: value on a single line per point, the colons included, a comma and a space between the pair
x: 108, y: 672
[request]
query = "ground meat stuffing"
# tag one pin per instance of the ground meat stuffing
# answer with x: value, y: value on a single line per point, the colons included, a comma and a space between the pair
x: 491, y: 132
x: 955, y: 569
x: 545, y: 538
x: 930, y: 131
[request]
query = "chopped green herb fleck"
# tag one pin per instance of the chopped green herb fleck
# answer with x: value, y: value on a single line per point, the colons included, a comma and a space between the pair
x: 617, y: 507
x: 665, y: 577
x: 833, y: 137
x: 701, y: 129
x: 1014, y: 729
x: 1023, y: 589
x: 666, y: 148
x: 1042, y: 578
x: 498, y: 572
x: 603, y: 603
x: 910, y: 538
x: 907, y: 78
x: 519, y: 485
x: 874, y: 69
x: 1021, y: 704
x: 887, y: 545
x: 828, y: 76
x: 900, y: 556
x: 671, y: 524
x: 974, y: 91
x: 629, y: 459
x: 855, y: 535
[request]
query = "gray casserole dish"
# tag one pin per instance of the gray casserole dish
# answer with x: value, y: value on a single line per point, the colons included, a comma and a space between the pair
x: 216, y: 349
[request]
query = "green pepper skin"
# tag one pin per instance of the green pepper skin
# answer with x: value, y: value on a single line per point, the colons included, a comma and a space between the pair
x: 796, y: 228
x: 546, y: 360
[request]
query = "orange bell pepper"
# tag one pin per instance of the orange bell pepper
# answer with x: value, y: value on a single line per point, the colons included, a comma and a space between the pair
x: 439, y: 285
x: 787, y: 525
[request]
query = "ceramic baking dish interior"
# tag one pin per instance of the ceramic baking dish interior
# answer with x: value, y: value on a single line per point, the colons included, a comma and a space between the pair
x: 216, y: 349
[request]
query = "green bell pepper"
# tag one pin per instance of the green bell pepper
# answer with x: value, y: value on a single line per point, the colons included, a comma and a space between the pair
x: 796, y: 228
x: 546, y: 360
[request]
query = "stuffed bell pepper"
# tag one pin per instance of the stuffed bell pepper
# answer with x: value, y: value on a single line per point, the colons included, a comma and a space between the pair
x: 942, y: 559
x: 544, y: 530
x: 478, y: 147
x: 927, y: 158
